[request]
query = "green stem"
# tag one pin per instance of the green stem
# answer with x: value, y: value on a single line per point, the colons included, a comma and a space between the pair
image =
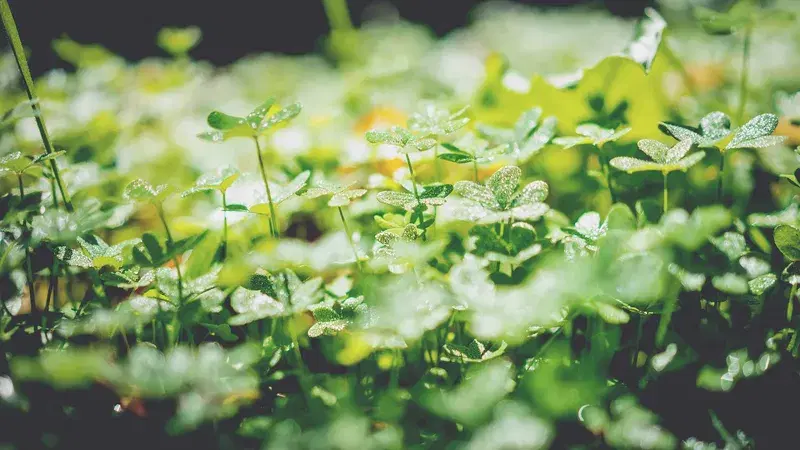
x: 720, y: 177
x: 666, y: 193
x: 28, y: 263
x: 350, y: 238
x: 224, y: 226
x: 748, y: 32
x: 437, y: 165
x: 607, y: 172
x: 790, y: 303
x: 475, y: 168
x: 12, y: 33
x: 413, y: 177
x: 338, y: 14
x: 175, y: 259
x: 272, y: 219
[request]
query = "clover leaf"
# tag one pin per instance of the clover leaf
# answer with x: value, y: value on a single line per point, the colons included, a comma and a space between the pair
x: 19, y: 164
x: 664, y: 159
x: 470, y: 148
x: 140, y: 190
x: 498, y: 200
x: 401, y: 138
x: 178, y: 41
x: 787, y: 239
x: 431, y: 195
x: 95, y: 253
x: 591, y: 134
x: 437, y: 122
x: 219, y: 180
x: 756, y: 133
x: 332, y: 317
x: 528, y: 136
x: 341, y: 195
x: 713, y: 128
x: 225, y: 126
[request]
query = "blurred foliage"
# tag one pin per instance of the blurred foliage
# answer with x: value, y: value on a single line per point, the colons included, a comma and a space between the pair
x: 418, y: 242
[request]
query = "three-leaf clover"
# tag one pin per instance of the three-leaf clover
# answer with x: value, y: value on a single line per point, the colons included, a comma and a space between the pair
x: 341, y: 195
x: 140, y: 190
x: 499, y: 199
x: 225, y: 126
x: 95, y: 253
x: 665, y: 159
x: 431, y: 195
x: 219, y: 180
x: 401, y: 138
x: 19, y: 164
x: 437, y: 122
x: 591, y: 134
x: 332, y: 317
x: 528, y: 136
x: 713, y: 128
x: 470, y: 149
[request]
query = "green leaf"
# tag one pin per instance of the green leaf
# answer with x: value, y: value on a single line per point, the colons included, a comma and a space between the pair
x: 504, y: 183
x: 252, y: 306
x: 633, y: 165
x: 477, y: 193
x: 750, y: 134
x: 654, y: 149
x: 533, y: 192
x: 436, y: 191
x: 153, y: 247
x: 762, y: 284
x: 457, y: 158
x: 223, y: 122
x: 787, y: 239
x: 256, y: 116
x: 284, y: 115
x: 178, y: 41
x: 141, y: 190
x: 399, y: 199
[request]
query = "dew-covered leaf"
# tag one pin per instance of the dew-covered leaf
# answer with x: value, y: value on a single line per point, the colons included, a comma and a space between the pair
x: 504, y: 183
x: 281, y: 116
x: 477, y: 193
x: 533, y: 192
x: 632, y: 165
x: 754, y: 129
x: 787, y: 239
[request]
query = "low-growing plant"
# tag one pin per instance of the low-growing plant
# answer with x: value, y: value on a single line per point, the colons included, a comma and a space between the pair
x: 425, y: 278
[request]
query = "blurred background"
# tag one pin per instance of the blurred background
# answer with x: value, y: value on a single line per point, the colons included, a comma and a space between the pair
x: 235, y: 28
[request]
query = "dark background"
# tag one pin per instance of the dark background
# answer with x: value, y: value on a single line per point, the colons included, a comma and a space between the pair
x: 231, y: 28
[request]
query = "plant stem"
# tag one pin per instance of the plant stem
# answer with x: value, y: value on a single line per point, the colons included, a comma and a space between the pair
x: 720, y: 177
x: 790, y: 303
x: 437, y: 165
x: 12, y: 33
x: 28, y: 263
x: 338, y: 14
x: 748, y: 32
x: 413, y: 177
x: 350, y: 238
x: 272, y: 219
x: 666, y: 193
x: 175, y: 259
x: 475, y: 168
x: 224, y: 226
x: 607, y: 172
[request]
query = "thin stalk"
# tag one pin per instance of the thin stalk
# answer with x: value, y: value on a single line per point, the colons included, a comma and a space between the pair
x: 350, y: 238
x: 475, y: 168
x: 175, y: 259
x: 720, y: 174
x: 666, y: 193
x: 12, y: 33
x: 607, y: 172
x: 338, y: 14
x: 790, y: 304
x: 272, y: 219
x: 748, y: 33
x: 28, y: 263
x: 413, y: 177
x: 437, y: 165
x: 224, y: 226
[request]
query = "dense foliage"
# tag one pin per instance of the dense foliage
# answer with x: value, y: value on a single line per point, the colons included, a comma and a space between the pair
x: 548, y: 229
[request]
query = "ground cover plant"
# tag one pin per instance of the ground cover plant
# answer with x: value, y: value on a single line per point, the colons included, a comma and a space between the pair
x: 502, y: 238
